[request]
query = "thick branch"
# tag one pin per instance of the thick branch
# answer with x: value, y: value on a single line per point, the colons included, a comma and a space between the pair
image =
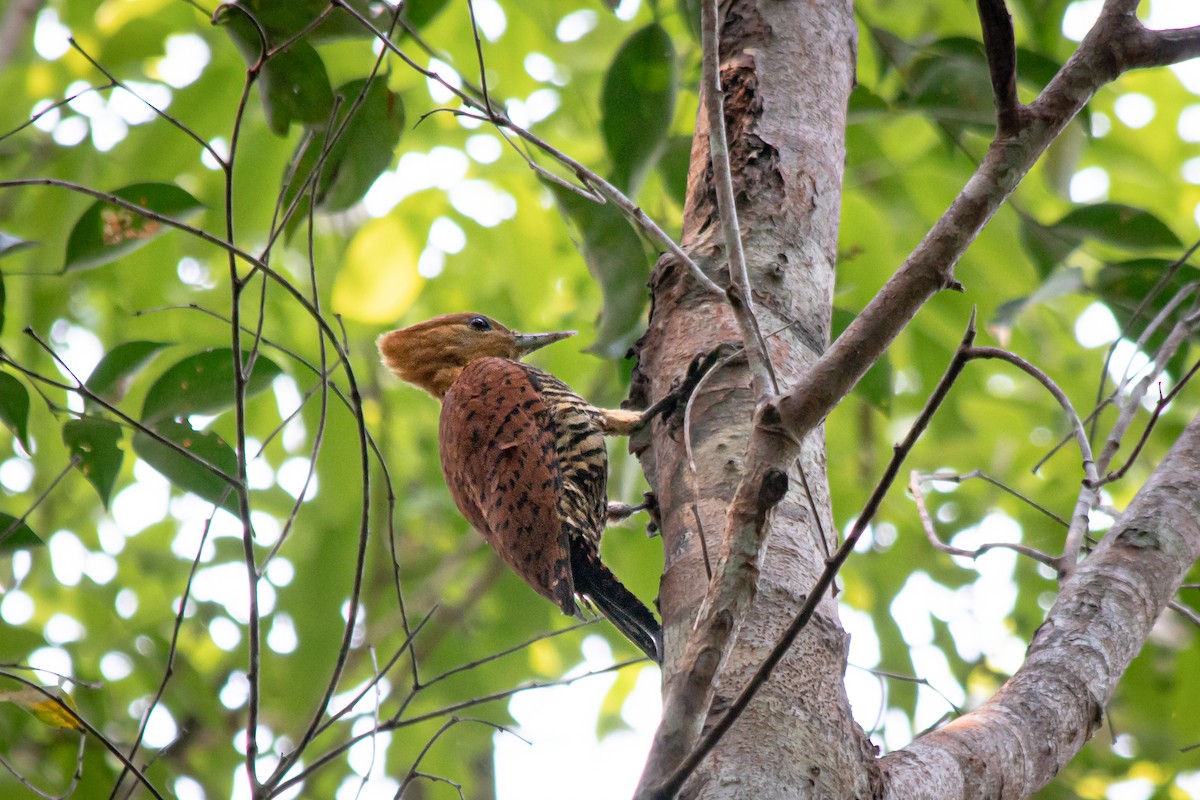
x: 1040, y: 719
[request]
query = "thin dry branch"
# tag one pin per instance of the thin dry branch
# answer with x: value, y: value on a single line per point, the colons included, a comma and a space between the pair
x: 914, y: 487
x: 739, y: 294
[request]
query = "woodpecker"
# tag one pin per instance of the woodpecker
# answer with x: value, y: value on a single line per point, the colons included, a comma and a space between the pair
x: 525, y: 460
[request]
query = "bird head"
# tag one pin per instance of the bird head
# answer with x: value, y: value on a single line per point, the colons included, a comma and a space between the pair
x: 431, y: 354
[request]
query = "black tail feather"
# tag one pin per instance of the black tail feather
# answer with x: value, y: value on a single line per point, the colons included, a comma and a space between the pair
x: 623, y: 609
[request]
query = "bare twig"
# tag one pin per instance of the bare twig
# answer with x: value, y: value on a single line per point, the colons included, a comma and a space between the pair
x: 1001, y: 485
x: 1090, y: 486
x: 914, y: 486
x: 739, y: 294
x: 1159, y: 407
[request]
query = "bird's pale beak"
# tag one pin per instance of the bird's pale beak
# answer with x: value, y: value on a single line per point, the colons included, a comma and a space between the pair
x: 528, y: 342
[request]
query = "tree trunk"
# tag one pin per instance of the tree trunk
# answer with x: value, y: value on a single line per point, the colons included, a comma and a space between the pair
x: 787, y: 71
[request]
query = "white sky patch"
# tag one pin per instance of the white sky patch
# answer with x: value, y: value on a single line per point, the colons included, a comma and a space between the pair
x: 1189, y: 124
x: 560, y: 722
x: 1096, y: 326
x: 448, y: 74
x: 131, y: 104
x: 101, y: 568
x: 541, y: 104
x: 1080, y: 17
x: 1189, y: 782
x: 67, y: 555
x: 280, y: 571
x: 44, y: 117
x: 188, y: 789
x: 161, y: 729
x: 22, y: 562
x: 1132, y: 789
x: 1127, y: 361
x: 70, y: 132
x: 62, y: 629
x: 115, y: 666
x: 186, y: 57
x: 440, y: 168
x: 282, y: 636
x: 53, y: 660
x: 16, y: 607
x: 431, y: 263
x: 367, y: 704
x: 446, y: 235
x: 236, y: 690
x: 221, y: 147
x: 16, y: 475
x: 50, y: 35
x: 1135, y: 110
x: 366, y: 756
x: 226, y: 585
x: 1101, y: 124
x: 490, y: 18
x: 1089, y: 185
x: 627, y: 9
x: 929, y: 663
x: 126, y: 603
x: 484, y: 149
x: 862, y: 686
x: 540, y: 67
x: 224, y: 633
x: 483, y: 202
x: 296, y: 476
x: 576, y: 25
x: 80, y: 350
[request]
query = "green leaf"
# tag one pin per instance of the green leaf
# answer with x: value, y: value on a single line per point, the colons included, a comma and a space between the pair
x: 876, y: 386
x: 293, y: 84
x: 1058, y: 284
x: 690, y: 11
x: 16, y: 535
x: 637, y: 105
x: 95, y: 442
x: 203, y: 384
x: 11, y: 244
x: 1119, y: 225
x: 1046, y: 246
x: 363, y: 151
x: 419, y: 13
x: 14, y: 407
x: 107, y: 231
x: 617, y: 259
x: 864, y: 106
x: 673, y: 167
x: 951, y: 82
x: 190, y: 473
x: 112, y: 377
x: 284, y: 20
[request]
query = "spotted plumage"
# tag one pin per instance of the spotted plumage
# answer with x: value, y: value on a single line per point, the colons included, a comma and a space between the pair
x: 525, y: 460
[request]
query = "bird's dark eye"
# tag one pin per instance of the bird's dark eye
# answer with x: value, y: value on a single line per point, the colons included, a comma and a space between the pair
x: 480, y: 323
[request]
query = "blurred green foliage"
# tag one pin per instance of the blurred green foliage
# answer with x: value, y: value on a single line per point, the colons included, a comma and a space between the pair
x: 456, y: 220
